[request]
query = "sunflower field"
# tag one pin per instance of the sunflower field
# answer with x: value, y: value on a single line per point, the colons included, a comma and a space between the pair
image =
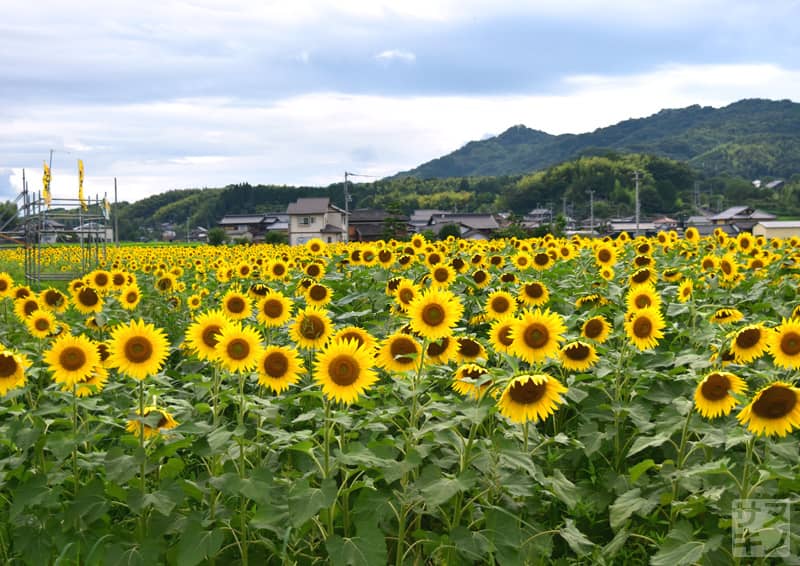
x: 539, y: 401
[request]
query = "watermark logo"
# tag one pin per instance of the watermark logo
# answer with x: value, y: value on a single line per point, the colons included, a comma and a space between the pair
x: 761, y: 527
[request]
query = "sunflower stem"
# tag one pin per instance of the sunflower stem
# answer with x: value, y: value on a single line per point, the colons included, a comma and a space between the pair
x: 525, y: 436
x: 75, y: 436
x: 143, y: 456
x: 242, y: 464
x: 680, y: 461
x: 744, y: 486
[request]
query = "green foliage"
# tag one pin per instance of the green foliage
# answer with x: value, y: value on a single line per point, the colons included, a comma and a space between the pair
x: 216, y: 236
x: 449, y: 230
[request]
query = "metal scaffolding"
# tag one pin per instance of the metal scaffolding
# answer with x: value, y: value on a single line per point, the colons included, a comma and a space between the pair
x: 43, y: 227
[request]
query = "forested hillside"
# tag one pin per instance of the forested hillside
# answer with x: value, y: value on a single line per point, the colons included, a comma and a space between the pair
x: 748, y: 139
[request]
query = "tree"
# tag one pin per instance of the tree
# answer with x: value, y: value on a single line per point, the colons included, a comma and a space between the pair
x: 216, y: 236
x: 449, y: 230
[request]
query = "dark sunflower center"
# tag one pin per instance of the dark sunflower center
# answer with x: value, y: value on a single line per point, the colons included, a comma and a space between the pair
x: 138, y: 349
x: 496, y: 260
x: 458, y: 263
x: 504, y: 336
x: 3, y: 285
x: 21, y: 293
x: 318, y: 292
x: 272, y: 308
x: 41, y: 324
x: 522, y: 261
x: 278, y: 269
x: 163, y: 421
x: 343, y: 370
x: 236, y: 305
x: 54, y: 298
x: 103, y: 351
x: 101, y: 279
x: 708, y: 264
x: 406, y: 295
x: 775, y: 403
x: 238, y: 349
x: 210, y: 335
x: 118, y: 279
x: 468, y: 347
x: 479, y: 276
x: 441, y: 275
x: 312, y: 327
x: 355, y: 255
x: 500, y: 305
x: 642, y: 301
x: 641, y: 276
x: 313, y: 270
x: 384, y: 255
x: 164, y: 284
x: 30, y: 307
x: 790, y: 344
x: 350, y: 335
x: 577, y: 352
x: 276, y: 365
x: 748, y: 337
x: 642, y: 327
x: 594, y: 328
x: 536, y: 335
x: 473, y: 373
x: 726, y: 267
x: 715, y: 387
x: 8, y: 366
x: 434, y: 258
x: 604, y: 256
x: 641, y: 261
x: 402, y: 349
x: 541, y: 258
x: 757, y: 264
x: 508, y: 277
x: 527, y: 393
x: 131, y: 296
x: 72, y: 358
x: 534, y: 290
x: 88, y: 297
x: 432, y: 314
x: 438, y: 348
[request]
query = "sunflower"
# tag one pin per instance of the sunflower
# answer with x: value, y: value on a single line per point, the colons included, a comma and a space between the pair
x: 542, y: 261
x: 100, y: 279
x: 87, y: 300
x: 274, y: 309
x: 642, y: 297
x: 441, y: 351
x: 54, y: 300
x: 6, y: 284
x: 41, y: 323
x: 311, y: 328
x: 591, y: 300
x: 644, y: 327
x: 238, y: 348
x: 481, y: 278
x: 726, y: 315
x: 745, y: 242
x: 469, y: 350
x: 685, y: 289
x: 536, y: 335
x: 522, y: 261
x: 471, y: 380
x: 194, y: 302
x: 672, y: 274
x: 386, y: 258
x: 534, y: 294
x: 713, y: 398
x: 500, y: 304
x: 531, y: 398
x: 500, y: 335
x: 691, y: 234
x: 203, y: 334
x: 138, y: 349
x: 318, y: 295
x: 91, y: 385
x: 72, y: 359
x: 399, y: 352
x: 784, y: 344
x: 709, y: 263
x: 119, y: 279
x: 442, y: 276
x: 605, y: 255
x: 775, y: 409
x: 750, y: 342
x: 277, y: 270
x: 279, y: 367
x: 729, y: 267
x: 315, y: 246
x: 130, y: 296
x: 361, y: 336
x: 236, y: 305
x: 314, y: 270
x: 151, y: 428
x: 21, y: 292
x: 344, y: 371
x: 405, y: 292
x: 12, y: 370
x: 24, y: 308
x: 578, y: 355
x: 434, y: 313
x: 643, y: 276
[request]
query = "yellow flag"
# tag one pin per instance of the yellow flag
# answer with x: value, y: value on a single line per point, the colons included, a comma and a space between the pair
x: 106, y: 208
x: 84, y: 206
x: 46, y: 183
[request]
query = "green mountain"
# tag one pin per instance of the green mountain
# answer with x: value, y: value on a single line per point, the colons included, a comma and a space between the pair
x: 750, y: 139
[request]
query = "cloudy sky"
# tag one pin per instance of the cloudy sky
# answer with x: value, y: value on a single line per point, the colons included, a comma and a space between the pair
x: 169, y: 94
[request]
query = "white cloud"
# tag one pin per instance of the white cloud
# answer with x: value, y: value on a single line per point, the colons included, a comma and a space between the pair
x: 396, y: 55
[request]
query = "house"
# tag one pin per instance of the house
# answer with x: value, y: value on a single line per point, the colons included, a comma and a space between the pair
x: 665, y: 223
x: 617, y: 227
x: 94, y: 232
x: 776, y: 184
x: 742, y: 217
x: 473, y: 226
x: 777, y: 228
x: 369, y: 225
x: 316, y: 218
x: 253, y: 227
x: 420, y: 219
x: 198, y: 234
x: 703, y: 224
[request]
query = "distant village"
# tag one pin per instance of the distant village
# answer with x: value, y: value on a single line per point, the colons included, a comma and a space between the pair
x: 318, y: 218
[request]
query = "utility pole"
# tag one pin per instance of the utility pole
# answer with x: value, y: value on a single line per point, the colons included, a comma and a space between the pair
x: 591, y: 211
x: 347, y: 199
x: 636, y: 176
